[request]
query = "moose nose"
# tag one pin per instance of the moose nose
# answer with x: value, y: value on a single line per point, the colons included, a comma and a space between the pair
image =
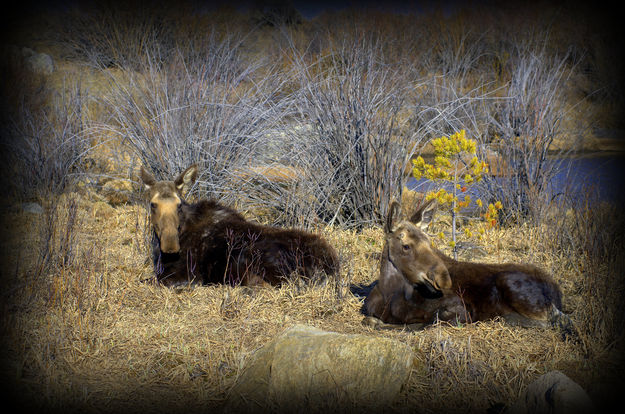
x: 169, y: 243
x: 427, y: 290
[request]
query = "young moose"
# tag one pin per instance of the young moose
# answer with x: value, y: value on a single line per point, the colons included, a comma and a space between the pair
x: 206, y: 242
x: 412, y: 268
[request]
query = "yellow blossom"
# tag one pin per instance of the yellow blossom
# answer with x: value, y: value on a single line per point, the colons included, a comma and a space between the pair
x: 419, y: 162
x: 442, y: 161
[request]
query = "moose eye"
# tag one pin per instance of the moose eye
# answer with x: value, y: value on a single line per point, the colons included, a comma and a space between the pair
x: 406, y: 247
x: 153, y: 206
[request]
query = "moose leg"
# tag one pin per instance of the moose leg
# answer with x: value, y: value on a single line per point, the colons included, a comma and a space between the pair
x: 556, y: 319
x: 516, y: 319
x: 375, y: 323
x: 396, y: 313
x: 563, y: 322
x: 534, y: 303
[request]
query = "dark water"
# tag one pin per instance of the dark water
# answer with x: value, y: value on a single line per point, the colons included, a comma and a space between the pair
x: 597, y: 177
x: 602, y: 175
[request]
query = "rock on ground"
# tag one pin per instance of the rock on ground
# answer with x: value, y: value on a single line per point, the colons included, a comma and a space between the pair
x: 553, y: 393
x: 307, y: 369
x: 37, y: 62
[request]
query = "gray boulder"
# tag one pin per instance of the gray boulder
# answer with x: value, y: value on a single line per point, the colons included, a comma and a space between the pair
x: 37, y: 62
x: 32, y: 208
x: 306, y: 369
x: 553, y: 393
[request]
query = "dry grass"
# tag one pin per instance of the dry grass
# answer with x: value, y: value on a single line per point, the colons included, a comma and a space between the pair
x: 83, y: 331
x: 91, y: 335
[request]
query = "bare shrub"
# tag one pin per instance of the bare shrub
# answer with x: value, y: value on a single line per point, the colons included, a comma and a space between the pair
x: 45, y: 149
x: 525, y: 123
x: 361, y: 116
x: 116, y: 34
x: 352, y: 137
x: 44, y: 144
x: 45, y: 140
x: 210, y: 108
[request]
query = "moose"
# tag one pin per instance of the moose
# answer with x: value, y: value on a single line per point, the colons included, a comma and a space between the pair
x: 206, y: 242
x: 419, y: 284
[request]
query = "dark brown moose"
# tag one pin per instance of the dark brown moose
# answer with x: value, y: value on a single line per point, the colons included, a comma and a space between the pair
x: 419, y: 284
x: 206, y: 242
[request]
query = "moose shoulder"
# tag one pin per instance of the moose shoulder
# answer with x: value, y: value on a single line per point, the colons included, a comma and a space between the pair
x: 206, y: 242
x: 418, y: 283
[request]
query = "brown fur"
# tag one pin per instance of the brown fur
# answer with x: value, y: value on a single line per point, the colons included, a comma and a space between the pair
x: 412, y: 268
x: 217, y: 245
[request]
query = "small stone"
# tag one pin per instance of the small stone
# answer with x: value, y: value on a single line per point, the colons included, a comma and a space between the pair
x: 37, y: 62
x: 32, y: 208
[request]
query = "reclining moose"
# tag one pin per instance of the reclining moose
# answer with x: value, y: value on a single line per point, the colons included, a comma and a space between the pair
x: 206, y: 242
x: 419, y: 284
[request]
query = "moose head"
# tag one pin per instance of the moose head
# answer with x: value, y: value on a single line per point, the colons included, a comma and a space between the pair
x: 411, y: 252
x: 165, y: 198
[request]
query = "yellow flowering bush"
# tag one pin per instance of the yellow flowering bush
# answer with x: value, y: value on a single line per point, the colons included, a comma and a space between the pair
x: 456, y: 162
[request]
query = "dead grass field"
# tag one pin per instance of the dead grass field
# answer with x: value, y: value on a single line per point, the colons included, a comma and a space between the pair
x: 87, y: 331
x: 92, y: 335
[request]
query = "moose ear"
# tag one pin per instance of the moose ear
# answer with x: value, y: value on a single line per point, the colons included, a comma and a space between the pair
x: 186, y: 178
x: 146, y: 177
x: 424, y: 214
x: 393, y: 209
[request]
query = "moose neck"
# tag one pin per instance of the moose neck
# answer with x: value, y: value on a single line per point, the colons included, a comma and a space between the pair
x: 391, y: 280
x: 451, y: 264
